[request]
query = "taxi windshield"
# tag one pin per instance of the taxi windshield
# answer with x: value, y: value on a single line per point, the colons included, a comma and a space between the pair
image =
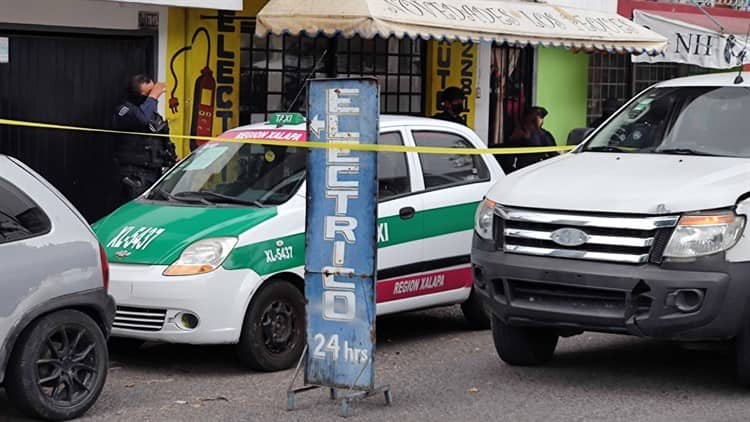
x: 235, y: 174
x: 706, y: 121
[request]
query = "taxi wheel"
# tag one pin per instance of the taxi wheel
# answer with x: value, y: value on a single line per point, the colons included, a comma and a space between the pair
x: 273, y: 334
x: 523, y: 346
x: 475, y: 312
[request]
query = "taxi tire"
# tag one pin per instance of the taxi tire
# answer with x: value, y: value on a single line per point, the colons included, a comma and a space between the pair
x: 475, y: 312
x: 251, y: 350
x: 523, y: 346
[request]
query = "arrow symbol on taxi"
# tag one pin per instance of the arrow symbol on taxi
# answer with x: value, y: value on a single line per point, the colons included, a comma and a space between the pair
x: 316, y: 126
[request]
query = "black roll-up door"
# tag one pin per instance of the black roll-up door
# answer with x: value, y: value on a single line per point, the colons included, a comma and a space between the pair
x: 69, y: 79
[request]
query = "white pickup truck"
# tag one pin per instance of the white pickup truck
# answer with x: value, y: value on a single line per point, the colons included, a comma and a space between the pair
x: 640, y: 230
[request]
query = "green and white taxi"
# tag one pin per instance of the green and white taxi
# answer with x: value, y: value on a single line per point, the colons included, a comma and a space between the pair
x: 213, y: 253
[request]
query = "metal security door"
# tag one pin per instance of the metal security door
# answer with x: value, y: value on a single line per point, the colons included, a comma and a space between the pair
x: 70, y: 79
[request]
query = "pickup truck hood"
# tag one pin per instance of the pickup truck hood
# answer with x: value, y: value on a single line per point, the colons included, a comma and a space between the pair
x: 157, y: 233
x: 627, y: 183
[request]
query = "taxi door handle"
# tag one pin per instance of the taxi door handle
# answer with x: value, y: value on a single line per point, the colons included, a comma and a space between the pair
x: 406, y: 213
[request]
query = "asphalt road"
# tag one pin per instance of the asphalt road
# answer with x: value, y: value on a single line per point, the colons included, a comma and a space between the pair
x: 440, y: 371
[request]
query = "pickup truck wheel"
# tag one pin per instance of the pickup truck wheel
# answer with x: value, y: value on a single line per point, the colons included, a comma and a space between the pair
x: 58, y: 366
x: 475, y: 313
x: 523, y: 346
x: 273, y: 334
x: 742, y: 352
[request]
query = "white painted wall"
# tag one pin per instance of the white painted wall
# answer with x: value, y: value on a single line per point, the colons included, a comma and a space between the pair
x: 93, y: 14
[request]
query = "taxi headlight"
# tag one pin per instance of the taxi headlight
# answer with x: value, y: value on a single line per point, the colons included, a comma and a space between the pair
x: 202, y: 256
x: 704, y: 234
x: 484, y: 221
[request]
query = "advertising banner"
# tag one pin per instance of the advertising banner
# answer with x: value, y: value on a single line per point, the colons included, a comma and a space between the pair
x: 691, y: 44
x: 341, y: 252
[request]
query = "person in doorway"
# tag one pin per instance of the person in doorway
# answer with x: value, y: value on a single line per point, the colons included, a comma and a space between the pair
x: 530, y: 133
x: 140, y: 159
x: 610, y: 106
x: 451, y: 102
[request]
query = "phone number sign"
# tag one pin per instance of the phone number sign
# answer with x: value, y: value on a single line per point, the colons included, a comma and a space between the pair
x: 341, y: 235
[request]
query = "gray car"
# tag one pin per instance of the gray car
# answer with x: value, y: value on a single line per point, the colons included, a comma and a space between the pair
x: 55, y: 312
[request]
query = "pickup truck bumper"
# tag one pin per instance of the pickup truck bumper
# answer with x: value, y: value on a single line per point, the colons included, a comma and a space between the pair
x: 641, y: 300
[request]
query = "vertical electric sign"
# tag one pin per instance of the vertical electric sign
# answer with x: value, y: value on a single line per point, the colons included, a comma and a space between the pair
x: 341, y: 248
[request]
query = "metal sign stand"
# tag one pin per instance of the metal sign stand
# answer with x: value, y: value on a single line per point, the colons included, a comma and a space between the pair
x: 350, y: 396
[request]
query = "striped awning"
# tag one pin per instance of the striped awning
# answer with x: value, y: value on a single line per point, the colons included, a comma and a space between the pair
x: 517, y: 23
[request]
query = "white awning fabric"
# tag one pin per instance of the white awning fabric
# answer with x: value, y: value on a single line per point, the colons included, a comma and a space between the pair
x: 517, y: 23
x: 695, y: 39
x: 205, y: 4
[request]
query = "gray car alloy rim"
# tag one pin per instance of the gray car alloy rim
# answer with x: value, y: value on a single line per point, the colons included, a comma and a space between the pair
x: 67, y: 366
x: 278, y: 323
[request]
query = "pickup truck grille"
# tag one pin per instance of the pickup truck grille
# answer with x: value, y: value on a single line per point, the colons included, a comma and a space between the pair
x: 597, y: 237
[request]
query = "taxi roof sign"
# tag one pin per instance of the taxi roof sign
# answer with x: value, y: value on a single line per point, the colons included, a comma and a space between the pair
x: 281, y: 119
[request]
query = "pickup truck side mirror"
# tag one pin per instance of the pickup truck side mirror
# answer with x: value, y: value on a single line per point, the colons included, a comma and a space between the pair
x: 576, y: 136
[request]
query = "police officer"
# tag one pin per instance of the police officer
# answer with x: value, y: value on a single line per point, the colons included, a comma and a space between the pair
x: 140, y: 159
x: 452, y: 101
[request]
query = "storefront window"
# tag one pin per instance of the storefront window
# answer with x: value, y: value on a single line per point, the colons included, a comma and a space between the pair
x: 397, y: 64
x: 274, y: 69
x: 609, y: 78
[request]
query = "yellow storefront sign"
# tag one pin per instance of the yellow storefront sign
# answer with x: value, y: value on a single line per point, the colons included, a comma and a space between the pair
x: 203, y: 70
x: 452, y: 64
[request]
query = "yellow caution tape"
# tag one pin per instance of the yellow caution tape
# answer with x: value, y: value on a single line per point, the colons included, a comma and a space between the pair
x: 305, y: 144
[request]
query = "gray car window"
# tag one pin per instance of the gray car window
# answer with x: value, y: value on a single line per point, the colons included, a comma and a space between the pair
x: 442, y: 170
x: 20, y: 217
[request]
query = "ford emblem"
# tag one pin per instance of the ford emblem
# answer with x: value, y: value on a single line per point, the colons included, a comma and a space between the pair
x: 569, y: 237
x: 122, y: 254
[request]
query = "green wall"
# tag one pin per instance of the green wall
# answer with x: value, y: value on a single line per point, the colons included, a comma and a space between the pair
x: 562, y: 88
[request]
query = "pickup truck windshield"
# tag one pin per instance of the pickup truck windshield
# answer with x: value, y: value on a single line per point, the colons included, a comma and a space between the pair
x: 709, y: 121
x: 235, y: 174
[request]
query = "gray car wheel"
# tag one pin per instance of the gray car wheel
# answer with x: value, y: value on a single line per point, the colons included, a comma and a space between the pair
x: 58, y: 367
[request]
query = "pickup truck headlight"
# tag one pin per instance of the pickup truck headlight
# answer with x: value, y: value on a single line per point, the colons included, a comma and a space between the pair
x: 202, y: 256
x: 704, y: 234
x: 484, y: 221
